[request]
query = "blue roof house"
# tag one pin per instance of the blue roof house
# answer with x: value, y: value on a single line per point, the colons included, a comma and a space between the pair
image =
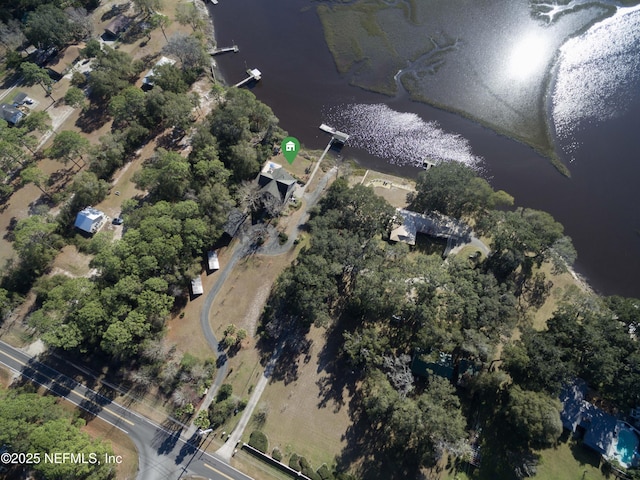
x: 600, y: 428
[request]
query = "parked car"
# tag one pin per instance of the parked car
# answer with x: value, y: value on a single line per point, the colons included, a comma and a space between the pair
x: 118, y: 221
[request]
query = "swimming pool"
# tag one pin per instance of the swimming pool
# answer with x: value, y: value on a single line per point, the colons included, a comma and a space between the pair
x: 627, y: 446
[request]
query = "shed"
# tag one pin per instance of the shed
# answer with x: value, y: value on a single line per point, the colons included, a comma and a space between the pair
x: 10, y: 113
x: 212, y: 261
x: 20, y: 98
x: 118, y: 25
x: 196, y: 286
x: 90, y: 220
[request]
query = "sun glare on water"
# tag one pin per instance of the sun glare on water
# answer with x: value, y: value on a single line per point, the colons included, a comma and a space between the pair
x: 528, y: 55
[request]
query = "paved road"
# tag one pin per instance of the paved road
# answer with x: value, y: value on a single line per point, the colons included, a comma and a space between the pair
x: 162, y: 453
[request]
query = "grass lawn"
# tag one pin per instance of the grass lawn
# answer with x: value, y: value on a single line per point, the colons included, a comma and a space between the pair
x: 569, y: 461
x: 561, y: 283
x: 121, y: 445
x: 6, y: 377
x: 303, y: 416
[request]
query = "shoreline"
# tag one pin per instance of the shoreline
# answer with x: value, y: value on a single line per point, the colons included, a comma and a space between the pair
x: 210, y: 35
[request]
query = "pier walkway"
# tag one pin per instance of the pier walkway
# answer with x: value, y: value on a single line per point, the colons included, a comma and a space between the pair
x: 254, y: 74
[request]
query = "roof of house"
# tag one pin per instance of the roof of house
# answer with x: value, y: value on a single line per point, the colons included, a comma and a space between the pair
x: 277, y: 182
x: 234, y: 220
x: 89, y: 219
x: 19, y: 98
x: 574, y: 405
x: 10, y: 113
x: 601, y: 432
x: 118, y: 25
x: 148, y: 78
x: 65, y: 59
x: 433, y: 225
x: 600, y: 427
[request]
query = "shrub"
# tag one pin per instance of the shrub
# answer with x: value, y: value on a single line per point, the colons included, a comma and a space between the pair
x: 294, y: 462
x: 188, y: 361
x: 304, y: 463
x: 276, y: 454
x: 225, y: 392
x: 258, y: 440
x: 282, y: 238
x: 219, y: 412
x: 307, y: 470
x: 325, y: 473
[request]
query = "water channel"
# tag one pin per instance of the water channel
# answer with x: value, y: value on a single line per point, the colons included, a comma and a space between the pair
x: 593, y: 114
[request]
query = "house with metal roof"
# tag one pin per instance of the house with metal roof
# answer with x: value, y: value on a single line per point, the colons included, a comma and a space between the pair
x: 147, y: 80
x: 213, y: 263
x: 90, y: 220
x: 599, y: 428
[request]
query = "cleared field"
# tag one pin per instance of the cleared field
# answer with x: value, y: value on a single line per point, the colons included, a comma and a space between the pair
x: 306, y: 416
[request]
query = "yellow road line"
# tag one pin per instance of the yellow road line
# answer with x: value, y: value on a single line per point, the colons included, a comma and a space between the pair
x: 79, y: 394
x: 217, y: 471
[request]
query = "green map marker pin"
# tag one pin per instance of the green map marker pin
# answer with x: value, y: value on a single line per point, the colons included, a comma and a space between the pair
x: 290, y: 148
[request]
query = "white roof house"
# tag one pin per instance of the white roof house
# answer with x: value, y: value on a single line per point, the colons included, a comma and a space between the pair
x: 148, y: 78
x: 196, y: 286
x: 212, y: 260
x: 90, y: 220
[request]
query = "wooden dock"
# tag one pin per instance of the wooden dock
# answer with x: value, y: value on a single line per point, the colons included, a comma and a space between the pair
x: 254, y: 74
x: 217, y: 51
x: 336, y: 135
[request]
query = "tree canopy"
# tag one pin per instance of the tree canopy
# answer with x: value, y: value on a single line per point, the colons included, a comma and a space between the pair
x: 454, y: 189
x: 34, y: 423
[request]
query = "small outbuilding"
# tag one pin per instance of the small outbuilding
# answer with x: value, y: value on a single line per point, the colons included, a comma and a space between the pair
x: 196, y: 286
x: 21, y: 98
x: 213, y: 263
x: 90, y: 220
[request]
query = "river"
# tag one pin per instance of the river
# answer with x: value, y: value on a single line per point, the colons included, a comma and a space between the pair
x: 598, y: 205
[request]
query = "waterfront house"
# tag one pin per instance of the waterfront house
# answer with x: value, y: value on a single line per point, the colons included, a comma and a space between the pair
x: 276, y: 181
x: 597, y: 428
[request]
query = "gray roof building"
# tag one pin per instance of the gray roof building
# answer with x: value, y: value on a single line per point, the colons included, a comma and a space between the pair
x: 10, y: 113
x: 276, y: 181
